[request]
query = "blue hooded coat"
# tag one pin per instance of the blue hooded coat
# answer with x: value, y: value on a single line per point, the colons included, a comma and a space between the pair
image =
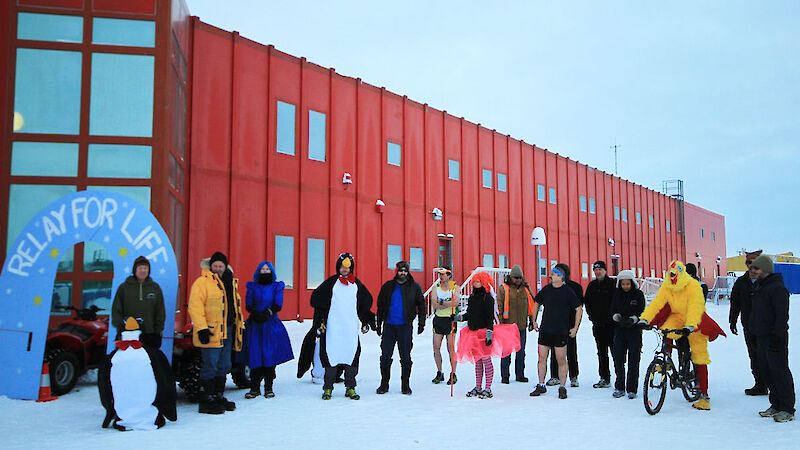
x: 266, y: 344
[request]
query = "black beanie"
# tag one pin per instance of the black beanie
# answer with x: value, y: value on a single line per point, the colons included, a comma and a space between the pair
x: 404, y: 264
x: 141, y: 261
x: 600, y: 264
x: 219, y: 256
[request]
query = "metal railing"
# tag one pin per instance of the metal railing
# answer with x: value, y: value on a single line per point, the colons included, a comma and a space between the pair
x: 497, y: 274
x: 721, y: 289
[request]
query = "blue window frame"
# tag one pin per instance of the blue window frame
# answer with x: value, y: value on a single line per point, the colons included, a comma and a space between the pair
x: 121, y: 102
x: 285, y: 128
x: 47, y: 91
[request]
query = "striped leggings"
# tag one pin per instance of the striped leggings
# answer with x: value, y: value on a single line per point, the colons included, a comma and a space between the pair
x: 484, y: 365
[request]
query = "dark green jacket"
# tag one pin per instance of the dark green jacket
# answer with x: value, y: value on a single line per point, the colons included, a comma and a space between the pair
x: 139, y: 300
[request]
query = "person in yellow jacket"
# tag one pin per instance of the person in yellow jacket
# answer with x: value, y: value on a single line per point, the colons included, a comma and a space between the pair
x: 215, y: 310
x: 680, y: 304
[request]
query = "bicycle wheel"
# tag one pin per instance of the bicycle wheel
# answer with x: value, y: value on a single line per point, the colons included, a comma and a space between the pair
x: 655, y: 386
x: 689, y: 385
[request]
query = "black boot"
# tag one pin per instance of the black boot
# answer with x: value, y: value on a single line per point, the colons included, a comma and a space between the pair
x: 757, y: 389
x: 386, y: 370
x: 406, y: 378
x: 219, y: 383
x: 208, y: 399
x: 268, y: 379
x: 255, y: 383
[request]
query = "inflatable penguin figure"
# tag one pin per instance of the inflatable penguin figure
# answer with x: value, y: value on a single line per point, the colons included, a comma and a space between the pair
x: 136, y: 384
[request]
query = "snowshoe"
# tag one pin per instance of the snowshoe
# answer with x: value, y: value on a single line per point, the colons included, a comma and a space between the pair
x: 326, y: 394
x: 475, y: 392
x: 351, y: 394
x: 453, y: 379
x: 438, y: 379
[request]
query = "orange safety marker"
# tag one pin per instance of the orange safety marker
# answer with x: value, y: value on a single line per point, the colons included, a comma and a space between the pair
x: 44, y: 386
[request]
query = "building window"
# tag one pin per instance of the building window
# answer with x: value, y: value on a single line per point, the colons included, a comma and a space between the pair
x: 286, y: 128
x: 652, y: 273
x: 638, y: 218
x: 640, y: 272
x: 284, y: 260
x: 47, y: 91
x: 394, y: 154
x: 487, y: 178
x: 553, y: 199
x: 316, y: 136
x: 96, y: 293
x: 53, y: 159
x: 582, y: 203
x: 140, y: 194
x: 502, y: 261
x: 616, y: 213
x: 540, y: 192
x: 624, y: 214
x: 542, y: 267
x: 132, y: 33
x: 668, y: 225
x: 394, y: 254
x: 713, y: 237
x: 488, y: 260
x: 96, y: 258
x: 119, y: 161
x: 62, y: 296
x: 121, y: 102
x: 26, y: 200
x: 316, y: 263
x: 651, y: 221
x: 502, y: 182
x: 592, y: 206
x: 453, y: 170
x: 585, y: 270
x: 416, y: 259
x: 701, y: 233
x: 49, y: 27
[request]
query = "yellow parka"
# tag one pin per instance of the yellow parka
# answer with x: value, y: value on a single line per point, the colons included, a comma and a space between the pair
x: 207, y: 309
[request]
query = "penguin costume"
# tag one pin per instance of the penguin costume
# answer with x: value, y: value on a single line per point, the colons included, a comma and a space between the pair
x: 136, y: 385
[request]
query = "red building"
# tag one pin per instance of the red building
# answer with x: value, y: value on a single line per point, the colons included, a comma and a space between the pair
x: 264, y: 155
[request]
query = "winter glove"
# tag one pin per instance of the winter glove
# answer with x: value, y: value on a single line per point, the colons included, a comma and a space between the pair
x: 365, y: 328
x: 204, y: 336
x: 642, y: 323
x: 379, y: 328
x: 459, y: 317
x: 631, y: 321
x: 687, y: 330
x: 734, y: 330
x: 488, y: 338
x: 617, y: 317
x: 421, y: 328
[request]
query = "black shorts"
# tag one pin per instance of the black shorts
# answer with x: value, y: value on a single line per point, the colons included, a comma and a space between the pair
x: 553, y: 340
x: 442, y: 325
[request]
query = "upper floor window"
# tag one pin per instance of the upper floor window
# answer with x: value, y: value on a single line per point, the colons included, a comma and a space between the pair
x: 624, y: 214
x: 553, y: 199
x: 49, y: 27
x: 582, y: 203
x: 487, y: 178
x: 132, y: 33
x: 502, y: 183
x: 285, y: 128
x: 592, y: 206
x: 638, y: 218
x: 453, y: 170
x: 540, y: 192
x: 668, y: 225
x: 651, y: 221
x: 316, y: 135
x: 616, y: 213
x: 394, y: 154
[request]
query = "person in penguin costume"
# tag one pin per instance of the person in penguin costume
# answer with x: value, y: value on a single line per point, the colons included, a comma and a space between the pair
x: 136, y: 385
x: 340, y: 303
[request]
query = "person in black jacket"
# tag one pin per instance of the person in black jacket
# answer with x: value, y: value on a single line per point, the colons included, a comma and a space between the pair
x: 769, y: 322
x: 626, y: 306
x: 741, y: 302
x: 599, y: 294
x: 399, y: 301
x: 691, y: 269
x: 572, y: 342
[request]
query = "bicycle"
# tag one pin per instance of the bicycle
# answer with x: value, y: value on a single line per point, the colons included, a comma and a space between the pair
x: 663, y: 368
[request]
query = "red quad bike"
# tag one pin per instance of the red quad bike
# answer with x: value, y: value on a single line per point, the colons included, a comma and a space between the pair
x: 76, y: 346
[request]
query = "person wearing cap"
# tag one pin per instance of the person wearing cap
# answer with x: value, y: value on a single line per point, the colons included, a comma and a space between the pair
x: 215, y: 310
x: 769, y: 322
x: 445, y: 305
x: 400, y: 300
x: 140, y: 296
x: 598, y: 299
x: 560, y: 321
x: 341, y: 303
x: 742, y: 302
x: 627, y: 304
x: 572, y: 341
x: 691, y: 269
x: 515, y: 306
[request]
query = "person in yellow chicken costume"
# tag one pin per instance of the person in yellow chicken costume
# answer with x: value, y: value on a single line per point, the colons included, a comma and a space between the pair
x: 680, y: 304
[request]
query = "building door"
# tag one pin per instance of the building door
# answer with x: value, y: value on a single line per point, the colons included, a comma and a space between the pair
x: 445, y: 253
x: 614, y: 265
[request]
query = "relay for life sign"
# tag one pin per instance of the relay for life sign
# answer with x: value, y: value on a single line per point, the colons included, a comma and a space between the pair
x: 123, y: 226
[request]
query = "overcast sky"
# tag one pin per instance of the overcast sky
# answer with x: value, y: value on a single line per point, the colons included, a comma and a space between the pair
x: 707, y: 92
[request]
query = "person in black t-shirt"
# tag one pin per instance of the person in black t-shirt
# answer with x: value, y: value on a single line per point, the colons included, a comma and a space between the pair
x: 561, y: 305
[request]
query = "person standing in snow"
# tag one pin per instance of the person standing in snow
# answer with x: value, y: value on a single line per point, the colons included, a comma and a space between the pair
x: 140, y: 296
x: 691, y: 269
x: 626, y: 306
x: 445, y: 304
x: 572, y: 341
x: 742, y: 302
x: 598, y: 298
x: 266, y: 342
x: 769, y: 322
x: 481, y: 339
x: 340, y: 303
x: 560, y: 321
x: 515, y: 306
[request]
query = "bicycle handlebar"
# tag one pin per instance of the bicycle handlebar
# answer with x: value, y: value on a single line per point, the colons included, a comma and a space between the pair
x: 680, y: 331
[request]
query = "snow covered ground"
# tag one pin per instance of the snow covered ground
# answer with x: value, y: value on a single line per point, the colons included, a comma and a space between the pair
x: 430, y: 418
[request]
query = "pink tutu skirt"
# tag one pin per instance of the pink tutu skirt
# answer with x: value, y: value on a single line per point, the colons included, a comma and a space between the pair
x: 472, y: 344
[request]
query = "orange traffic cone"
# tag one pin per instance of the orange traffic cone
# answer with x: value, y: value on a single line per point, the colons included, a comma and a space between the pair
x: 44, y: 386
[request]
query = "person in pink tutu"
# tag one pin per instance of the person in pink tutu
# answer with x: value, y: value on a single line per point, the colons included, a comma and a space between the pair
x: 483, y: 337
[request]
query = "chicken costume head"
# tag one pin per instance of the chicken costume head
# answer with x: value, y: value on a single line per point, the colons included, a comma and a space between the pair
x: 678, y: 278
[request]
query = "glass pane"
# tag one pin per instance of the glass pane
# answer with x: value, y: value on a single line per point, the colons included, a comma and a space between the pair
x: 393, y: 153
x: 139, y: 193
x: 583, y: 203
x: 134, y: 33
x: 553, y: 199
x: 638, y: 218
x: 316, y: 263
x: 416, y: 259
x: 487, y: 178
x: 285, y: 128
x: 97, y: 293
x: 284, y: 260
x: 502, y: 261
x: 119, y: 161
x: 47, y: 92
x: 26, y: 200
x: 62, y: 296
x: 316, y: 136
x: 66, y: 263
x: 454, y: 170
x: 667, y: 224
x: 49, y: 27
x: 121, y: 101
x: 616, y: 213
x: 394, y: 253
x: 592, y: 207
x: 44, y: 159
x: 584, y: 270
x: 624, y: 214
x: 488, y: 260
x: 501, y: 182
x: 540, y: 192
x: 96, y: 258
